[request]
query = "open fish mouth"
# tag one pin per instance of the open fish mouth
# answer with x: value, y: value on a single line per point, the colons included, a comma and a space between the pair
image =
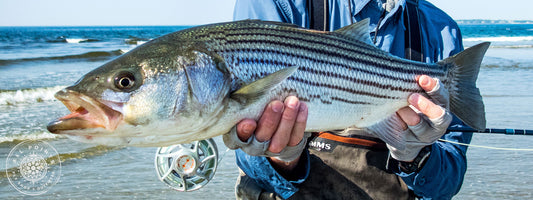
x: 86, y: 113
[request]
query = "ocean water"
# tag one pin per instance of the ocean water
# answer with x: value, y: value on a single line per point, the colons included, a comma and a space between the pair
x: 35, y: 62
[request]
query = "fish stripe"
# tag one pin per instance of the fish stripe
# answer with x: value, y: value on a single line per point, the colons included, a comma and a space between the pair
x: 336, y: 87
x: 334, y: 54
x: 310, y: 97
x: 256, y: 61
x: 286, y: 31
x: 260, y: 74
x: 252, y: 60
x: 271, y: 35
x: 337, y: 75
x: 323, y: 39
x: 311, y: 59
x: 333, y: 40
x: 349, y: 101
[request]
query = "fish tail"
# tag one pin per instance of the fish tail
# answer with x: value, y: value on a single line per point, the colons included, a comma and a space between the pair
x: 465, y: 99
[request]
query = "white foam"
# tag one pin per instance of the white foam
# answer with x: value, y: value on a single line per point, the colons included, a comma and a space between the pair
x: 72, y: 40
x: 29, y: 95
x: 500, y: 39
x: 515, y: 46
x: 123, y: 51
x: 34, y: 136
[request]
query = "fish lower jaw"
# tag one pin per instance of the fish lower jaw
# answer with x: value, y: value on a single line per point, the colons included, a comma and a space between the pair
x: 81, y: 119
x: 86, y: 113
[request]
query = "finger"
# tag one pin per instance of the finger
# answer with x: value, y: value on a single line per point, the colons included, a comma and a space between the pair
x: 299, y: 126
x: 435, y: 90
x: 426, y: 82
x: 425, y: 106
x: 245, y: 129
x: 281, y: 137
x: 268, y: 123
x: 409, y: 116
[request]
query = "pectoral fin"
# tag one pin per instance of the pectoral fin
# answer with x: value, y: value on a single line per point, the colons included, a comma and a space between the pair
x: 257, y: 89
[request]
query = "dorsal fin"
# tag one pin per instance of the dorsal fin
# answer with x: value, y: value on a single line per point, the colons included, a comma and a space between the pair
x: 357, y: 31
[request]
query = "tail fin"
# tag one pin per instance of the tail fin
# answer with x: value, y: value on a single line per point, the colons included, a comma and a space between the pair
x: 465, y: 100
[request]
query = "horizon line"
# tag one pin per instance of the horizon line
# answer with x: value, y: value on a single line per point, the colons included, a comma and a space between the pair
x: 95, y: 25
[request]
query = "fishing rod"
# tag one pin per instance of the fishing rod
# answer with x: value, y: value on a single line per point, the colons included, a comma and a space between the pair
x: 189, y: 167
x: 492, y: 130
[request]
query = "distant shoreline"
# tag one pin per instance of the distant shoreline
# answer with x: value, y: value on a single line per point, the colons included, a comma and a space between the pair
x: 490, y: 21
x: 459, y: 21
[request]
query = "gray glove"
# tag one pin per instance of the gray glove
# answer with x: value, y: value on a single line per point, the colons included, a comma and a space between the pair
x: 255, y: 148
x: 404, y: 142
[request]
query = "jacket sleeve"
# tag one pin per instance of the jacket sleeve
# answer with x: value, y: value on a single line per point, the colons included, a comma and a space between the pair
x: 443, y: 174
x: 264, y: 10
x: 259, y: 169
x: 292, y: 11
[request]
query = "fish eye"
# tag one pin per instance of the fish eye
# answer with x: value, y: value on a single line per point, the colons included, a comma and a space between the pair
x: 125, y: 80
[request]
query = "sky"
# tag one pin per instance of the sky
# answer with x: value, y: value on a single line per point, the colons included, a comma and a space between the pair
x: 194, y: 12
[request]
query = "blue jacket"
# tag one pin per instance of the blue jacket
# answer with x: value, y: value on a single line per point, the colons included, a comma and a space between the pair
x: 443, y: 173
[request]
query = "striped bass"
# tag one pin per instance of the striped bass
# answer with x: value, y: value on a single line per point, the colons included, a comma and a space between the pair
x: 198, y: 83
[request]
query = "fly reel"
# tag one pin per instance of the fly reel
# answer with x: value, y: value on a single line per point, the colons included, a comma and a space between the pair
x: 187, y: 167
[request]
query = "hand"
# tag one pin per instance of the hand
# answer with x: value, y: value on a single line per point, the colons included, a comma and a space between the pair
x: 280, y: 126
x: 410, y: 130
x: 424, y: 105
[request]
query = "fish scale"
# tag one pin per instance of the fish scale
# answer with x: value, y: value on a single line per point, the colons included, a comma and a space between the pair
x: 259, y: 55
x: 346, y: 78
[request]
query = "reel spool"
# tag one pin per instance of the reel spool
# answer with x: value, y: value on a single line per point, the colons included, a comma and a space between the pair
x: 187, y: 167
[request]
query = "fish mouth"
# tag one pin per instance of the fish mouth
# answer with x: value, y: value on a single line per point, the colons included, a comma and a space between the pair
x: 86, y: 113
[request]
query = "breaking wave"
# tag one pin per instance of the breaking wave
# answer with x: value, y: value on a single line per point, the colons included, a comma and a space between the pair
x: 28, y: 96
x: 499, y: 39
x: 514, y: 46
x: 91, y: 56
x: 72, y: 40
x: 136, y: 40
x: 34, y: 136
x: 80, y: 40
x: 504, y: 63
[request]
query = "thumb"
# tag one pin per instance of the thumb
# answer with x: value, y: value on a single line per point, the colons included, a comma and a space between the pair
x: 245, y: 129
